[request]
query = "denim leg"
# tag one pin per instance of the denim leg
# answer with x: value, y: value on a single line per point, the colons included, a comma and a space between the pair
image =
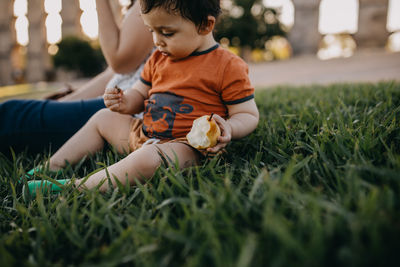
x: 38, y: 125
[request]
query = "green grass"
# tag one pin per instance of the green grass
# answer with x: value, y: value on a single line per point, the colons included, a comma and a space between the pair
x: 317, y: 184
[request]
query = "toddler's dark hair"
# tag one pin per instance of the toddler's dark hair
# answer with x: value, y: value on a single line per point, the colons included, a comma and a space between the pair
x: 196, y: 11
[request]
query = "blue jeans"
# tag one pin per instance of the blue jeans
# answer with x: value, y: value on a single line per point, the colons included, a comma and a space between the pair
x: 37, y: 125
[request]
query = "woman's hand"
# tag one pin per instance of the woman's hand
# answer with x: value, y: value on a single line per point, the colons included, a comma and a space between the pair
x: 226, y: 134
x: 113, y: 99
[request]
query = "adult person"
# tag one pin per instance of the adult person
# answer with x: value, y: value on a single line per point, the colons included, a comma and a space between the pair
x: 36, y: 124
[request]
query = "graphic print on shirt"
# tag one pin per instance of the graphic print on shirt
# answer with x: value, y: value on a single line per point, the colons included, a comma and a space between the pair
x: 160, y: 113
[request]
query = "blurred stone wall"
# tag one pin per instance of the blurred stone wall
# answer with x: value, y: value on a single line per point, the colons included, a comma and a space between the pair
x: 37, y: 57
x: 304, y: 36
x: 38, y: 61
x: 372, y: 20
x: 7, y: 39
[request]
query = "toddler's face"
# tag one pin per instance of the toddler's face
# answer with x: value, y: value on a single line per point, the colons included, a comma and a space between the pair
x: 173, y: 35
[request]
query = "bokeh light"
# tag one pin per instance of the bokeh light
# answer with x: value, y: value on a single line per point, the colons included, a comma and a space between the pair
x: 393, y: 25
x: 338, y: 16
x: 89, y: 19
x: 53, y: 20
x: 21, y: 22
x: 285, y: 11
x: 393, y: 21
x: 394, y: 42
x: 336, y: 45
x: 20, y: 8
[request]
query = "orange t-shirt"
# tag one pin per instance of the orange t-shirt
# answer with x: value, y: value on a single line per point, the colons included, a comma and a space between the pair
x: 181, y: 91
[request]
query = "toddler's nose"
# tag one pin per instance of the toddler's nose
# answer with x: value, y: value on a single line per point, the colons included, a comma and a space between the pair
x: 158, y: 40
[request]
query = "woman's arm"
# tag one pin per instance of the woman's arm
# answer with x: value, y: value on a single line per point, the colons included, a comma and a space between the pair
x: 124, y: 48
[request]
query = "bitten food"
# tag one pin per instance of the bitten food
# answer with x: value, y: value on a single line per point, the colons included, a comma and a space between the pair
x: 204, y: 132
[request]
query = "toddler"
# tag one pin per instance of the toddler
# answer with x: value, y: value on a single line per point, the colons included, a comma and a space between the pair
x: 188, y: 76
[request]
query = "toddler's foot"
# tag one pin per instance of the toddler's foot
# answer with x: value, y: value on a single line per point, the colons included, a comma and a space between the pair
x: 37, y: 171
x: 30, y: 189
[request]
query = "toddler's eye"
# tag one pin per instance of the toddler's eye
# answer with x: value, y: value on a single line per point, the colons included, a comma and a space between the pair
x: 167, y: 34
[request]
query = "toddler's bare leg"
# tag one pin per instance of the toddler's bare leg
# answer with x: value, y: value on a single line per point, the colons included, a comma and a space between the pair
x: 142, y: 164
x: 105, y: 124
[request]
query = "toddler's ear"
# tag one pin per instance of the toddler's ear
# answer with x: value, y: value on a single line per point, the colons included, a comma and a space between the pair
x: 209, y: 27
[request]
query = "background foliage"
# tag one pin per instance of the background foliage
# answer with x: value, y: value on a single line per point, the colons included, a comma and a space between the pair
x: 248, y: 23
x: 78, y: 55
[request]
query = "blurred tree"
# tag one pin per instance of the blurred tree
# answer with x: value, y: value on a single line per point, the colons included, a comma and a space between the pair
x: 78, y: 55
x: 247, y: 23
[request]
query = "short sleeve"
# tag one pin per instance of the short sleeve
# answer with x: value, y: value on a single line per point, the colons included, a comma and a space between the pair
x: 147, y: 74
x: 235, y: 86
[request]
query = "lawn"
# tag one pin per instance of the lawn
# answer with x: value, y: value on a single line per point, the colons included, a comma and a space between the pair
x: 317, y: 184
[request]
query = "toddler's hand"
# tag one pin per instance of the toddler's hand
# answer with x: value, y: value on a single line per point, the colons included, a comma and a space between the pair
x: 113, y: 98
x: 226, y: 134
